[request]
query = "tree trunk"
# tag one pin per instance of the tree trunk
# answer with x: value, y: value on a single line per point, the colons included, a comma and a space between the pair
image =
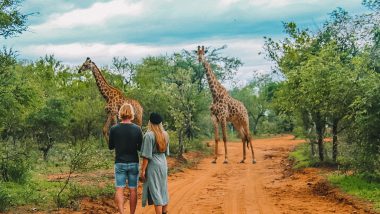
x: 335, y: 140
x: 320, y: 129
x: 312, y: 141
x: 45, y: 154
x: 256, y: 122
x: 180, y: 144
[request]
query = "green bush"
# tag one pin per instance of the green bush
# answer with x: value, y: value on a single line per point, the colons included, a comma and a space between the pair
x: 301, y: 157
x: 5, y: 200
x: 14, y: 169
x: 173, y: 143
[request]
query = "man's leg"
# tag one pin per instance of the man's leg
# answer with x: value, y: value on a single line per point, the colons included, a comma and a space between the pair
x: 132, y: 200
x: 119, y: 199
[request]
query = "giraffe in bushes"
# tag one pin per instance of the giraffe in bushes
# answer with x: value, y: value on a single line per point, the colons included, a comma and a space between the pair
x: 225, y: 109
x: 113, y: 96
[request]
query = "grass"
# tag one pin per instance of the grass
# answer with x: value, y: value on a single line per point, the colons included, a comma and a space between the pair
x: 41, y: 192
x: 358, y: 186
x: 301, y: 157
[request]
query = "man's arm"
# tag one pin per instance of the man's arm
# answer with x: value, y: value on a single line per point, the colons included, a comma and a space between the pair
x: 139, y: 140
x: 111, y: 141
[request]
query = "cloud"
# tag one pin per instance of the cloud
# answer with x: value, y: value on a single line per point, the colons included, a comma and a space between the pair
x: 96, y: 14
x: 102, y: 29
x: 75, y: 53
x: 245, y: 49
x: 151, y: 22
x: 280, y: 3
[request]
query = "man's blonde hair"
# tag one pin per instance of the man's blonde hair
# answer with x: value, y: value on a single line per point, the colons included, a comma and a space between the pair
x: 126, y: 112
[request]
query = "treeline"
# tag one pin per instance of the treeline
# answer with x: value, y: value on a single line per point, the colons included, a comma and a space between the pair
x: 51, y: 116
x: 331, y: 86
x: 47, y: 102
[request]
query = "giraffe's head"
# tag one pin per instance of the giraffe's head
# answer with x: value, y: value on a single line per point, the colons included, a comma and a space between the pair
x: 87, y: 65
x: 201, y: 53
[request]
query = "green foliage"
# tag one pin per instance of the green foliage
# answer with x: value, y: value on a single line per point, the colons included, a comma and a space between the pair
x: 12, y: 21
x: 325, y: 74
x: 15, y: 170
x: 14, y: 165
x: 372, y: 4
x: 363, y: 136
x: 71, y: 198
x: 359, y: 186
x: 257, y: 97
x: 224, y: 67
x: 301, y: 157
x: 5, y: 200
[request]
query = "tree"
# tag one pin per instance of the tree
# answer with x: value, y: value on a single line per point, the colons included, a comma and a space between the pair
x: 301, y: 93
x: 183, y: 106
x: 48, y: 124
x: 12, y: 21
x: 257, y: 97
x: 125, y: 68
x: 224, y: 67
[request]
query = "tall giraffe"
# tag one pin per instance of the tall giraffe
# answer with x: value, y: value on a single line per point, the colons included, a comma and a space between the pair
x: 225, y: 109
x: 113, y: 96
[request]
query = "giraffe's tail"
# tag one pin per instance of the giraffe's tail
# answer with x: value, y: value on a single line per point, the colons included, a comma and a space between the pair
x: 247, y: 137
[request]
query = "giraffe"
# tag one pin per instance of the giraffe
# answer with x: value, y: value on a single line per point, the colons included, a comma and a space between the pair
x: 113, y: 96
x: 225, y: 109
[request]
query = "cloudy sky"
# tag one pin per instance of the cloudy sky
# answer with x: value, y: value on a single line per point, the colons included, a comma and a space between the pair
x: 102, y: 29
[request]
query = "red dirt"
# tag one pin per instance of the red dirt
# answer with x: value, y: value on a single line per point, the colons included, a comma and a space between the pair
x: 269, y: 186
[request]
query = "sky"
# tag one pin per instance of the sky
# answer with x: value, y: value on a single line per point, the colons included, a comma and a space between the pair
x: 72, y: 30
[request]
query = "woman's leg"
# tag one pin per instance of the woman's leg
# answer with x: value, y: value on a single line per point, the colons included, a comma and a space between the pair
x: 165, y: 209
x: 158, y: 209
x: 132, y: 200
x: 119, y: 199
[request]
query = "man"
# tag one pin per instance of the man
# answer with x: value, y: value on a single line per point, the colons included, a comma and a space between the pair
x: 126, y: 139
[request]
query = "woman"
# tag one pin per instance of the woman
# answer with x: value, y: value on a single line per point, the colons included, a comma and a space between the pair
x: 154, y: 169
x: 126, y: 139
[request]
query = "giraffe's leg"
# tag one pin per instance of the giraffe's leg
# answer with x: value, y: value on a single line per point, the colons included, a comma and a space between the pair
x: 106, y: 127
x: 243, y: 140
x: 243, y: 137
x: 224, y: 132
x: 253, y: 153
x: 216, y: 136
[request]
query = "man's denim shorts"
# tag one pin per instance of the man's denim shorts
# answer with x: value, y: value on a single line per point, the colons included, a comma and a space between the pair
x: 124, y: 171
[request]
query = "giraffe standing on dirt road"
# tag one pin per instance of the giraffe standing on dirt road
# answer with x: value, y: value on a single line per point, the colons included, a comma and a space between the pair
x: 225, y: 109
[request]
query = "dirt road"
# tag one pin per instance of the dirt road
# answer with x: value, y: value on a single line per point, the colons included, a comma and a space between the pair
x: 251, y: 188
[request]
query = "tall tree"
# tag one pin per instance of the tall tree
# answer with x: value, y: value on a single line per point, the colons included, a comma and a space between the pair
x: 12, y: 21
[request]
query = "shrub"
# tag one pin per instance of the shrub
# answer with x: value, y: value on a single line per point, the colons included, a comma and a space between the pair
x: 13, y: 166
x: 5, y: 200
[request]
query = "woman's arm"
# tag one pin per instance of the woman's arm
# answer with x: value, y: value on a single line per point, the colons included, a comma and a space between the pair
x: 143, y: 168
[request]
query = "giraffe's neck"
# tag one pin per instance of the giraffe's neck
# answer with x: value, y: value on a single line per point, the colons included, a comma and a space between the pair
x: 215, y: 86
x: 101, y: 82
